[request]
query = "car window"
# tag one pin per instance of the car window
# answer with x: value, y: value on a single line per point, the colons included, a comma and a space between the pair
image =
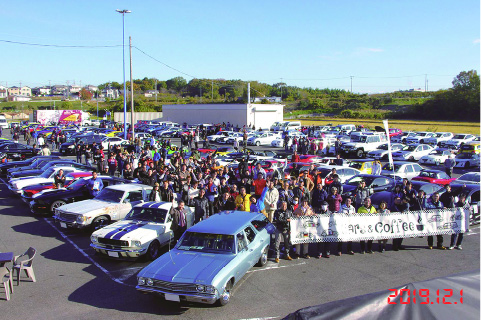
x: 250, y: 234
x: 134, y: 196
x: 409, y: 168
x: 417, y: 167
x: 241, y: 242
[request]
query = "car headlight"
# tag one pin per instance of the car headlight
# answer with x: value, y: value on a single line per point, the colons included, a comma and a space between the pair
x: 94, y: 238
x: 200, y: 288
x: 209, y: 289
x: 81, y: 218
x: 150, y: 282
x: 71, y: 147
x: 136, y: 243
x: 141, y: 281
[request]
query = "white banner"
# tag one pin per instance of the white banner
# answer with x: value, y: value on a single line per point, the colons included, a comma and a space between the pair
x: 389, y: 151
x: 339, y: 227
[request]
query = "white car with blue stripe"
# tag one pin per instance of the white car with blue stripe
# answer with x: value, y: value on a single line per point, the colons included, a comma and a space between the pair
x: 144, y: 230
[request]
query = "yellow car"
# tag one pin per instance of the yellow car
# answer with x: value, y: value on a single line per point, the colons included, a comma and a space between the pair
x: 363, y: 165
x: 471, y: 147
x: 112, y: 133
x: 222, y: 151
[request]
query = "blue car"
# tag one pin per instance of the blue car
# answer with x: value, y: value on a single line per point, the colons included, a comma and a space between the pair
x: 209, y: 259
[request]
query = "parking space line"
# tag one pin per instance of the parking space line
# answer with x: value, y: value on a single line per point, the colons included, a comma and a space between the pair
x: 276, y: 267
x: 86, y: 255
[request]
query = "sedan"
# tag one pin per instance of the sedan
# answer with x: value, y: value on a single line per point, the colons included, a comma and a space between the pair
x: 263, y: 139
x: 374, y: 182
x: 457, y: 141
x: 467, y: 160
x: 434, y: 176
x: 17, y: 151
x: 209, y: 259
x: 402, y: 169
x: 436, y: 157
x: 413, y: 152
x: 470, y: 177
x: 382, y: 151
x: 387, y: 196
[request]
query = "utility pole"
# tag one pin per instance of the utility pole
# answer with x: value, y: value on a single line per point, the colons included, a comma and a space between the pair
x: 427, y: 85
x: 132, y: 92
x: 97, y: 108
x: 351, y: 84
x: 68, y: 89
x: 155, y: 91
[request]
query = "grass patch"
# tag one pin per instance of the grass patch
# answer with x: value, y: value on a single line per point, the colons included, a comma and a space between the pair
x: 405, y: 125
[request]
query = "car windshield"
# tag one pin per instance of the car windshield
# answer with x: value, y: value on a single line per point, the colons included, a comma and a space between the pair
x: 147, y: 214
x: 459, y: 136
x: 47, y: 173
x: 77, y: 183
x: 207, y: 242
x: 421, y: 134
x: 382, y: 147
x: 466, y: 156
x: 388, y: 167
x: 354, y: 181
x: 358, y: 138
x: 428, y: 174
x: 356, y: 165
x: 438, y: 135
x: 410, y: 148
x: 469, y: 177
x: 110, y: 195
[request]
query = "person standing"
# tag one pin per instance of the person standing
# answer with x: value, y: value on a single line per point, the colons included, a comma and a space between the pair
x: 242, y: 201
x: 303, y: 210
x: 434, y: 203
x: 334, y: 200
x: 376, y: 168
x: 318, y: 196
x: 367, y: 208
x: 281, y: 220
x: 347, y: 208
x: 400, y: 205
x: 28, y: 136
x: 94, y: 184
x: 270, y: 200
x: 324, y: 248
x: 201, y: 205
x: 457, y: 238
x: 59, y: 179
x: 383, y: 210
x: 179, y: 222
x: 79, y: 150
x: 361, y: 193
x: 449, y: 165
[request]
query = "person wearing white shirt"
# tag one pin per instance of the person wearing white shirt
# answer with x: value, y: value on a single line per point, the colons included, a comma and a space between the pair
x: 347, y: 208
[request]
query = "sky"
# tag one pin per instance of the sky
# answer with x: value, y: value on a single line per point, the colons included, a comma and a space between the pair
x: 382, y: 46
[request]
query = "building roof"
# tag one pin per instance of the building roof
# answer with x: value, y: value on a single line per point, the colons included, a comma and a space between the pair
x: 226, y: 222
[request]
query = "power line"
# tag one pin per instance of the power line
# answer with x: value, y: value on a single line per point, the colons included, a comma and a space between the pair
x: 164, y: 64
x: 57, y: 45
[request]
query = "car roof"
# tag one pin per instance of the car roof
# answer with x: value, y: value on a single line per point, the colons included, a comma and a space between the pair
x: 155, y: 205
x: 129, y: 187
x: 226, y: 222
x: 362, y: 160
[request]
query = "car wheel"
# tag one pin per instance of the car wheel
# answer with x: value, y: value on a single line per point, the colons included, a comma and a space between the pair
x: 411, y: 158
x: 100, y: 222
x: 359, y: 153
x: 263, y: 259
x: 258, y: 143
x: 422, y: 141
x: 153, y: 251
x: 385, y: 157
x: 227, y: 294
x: 56, y: 204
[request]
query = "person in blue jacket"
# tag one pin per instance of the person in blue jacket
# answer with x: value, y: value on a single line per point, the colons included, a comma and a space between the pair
x: 94, y: 184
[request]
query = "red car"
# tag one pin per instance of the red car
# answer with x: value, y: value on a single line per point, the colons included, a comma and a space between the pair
x: 434, y: 176
x: 69, y: 178
x: 307, y: 158
x: 394, y: 132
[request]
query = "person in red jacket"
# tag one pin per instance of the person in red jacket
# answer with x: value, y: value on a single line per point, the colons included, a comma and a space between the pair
x: 295, y: 157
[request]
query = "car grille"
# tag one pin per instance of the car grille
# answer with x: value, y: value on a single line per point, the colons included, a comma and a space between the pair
x: 175, y: 287
x: 113, y: 242
x: 68, y: 216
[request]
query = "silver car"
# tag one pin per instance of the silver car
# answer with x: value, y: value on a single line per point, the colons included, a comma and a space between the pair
x: 401, y: 169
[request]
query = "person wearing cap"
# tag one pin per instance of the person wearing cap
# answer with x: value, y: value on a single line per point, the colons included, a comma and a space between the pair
x: 242, y: 201
x: 324, y: 248
x: 155, y: 194
x: 281, y: 220
x: 303, y: 210
x: 270, y: 200
x: 367, y: 208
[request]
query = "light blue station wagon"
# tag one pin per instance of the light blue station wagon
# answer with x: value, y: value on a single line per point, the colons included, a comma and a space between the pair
x: 209, y: 259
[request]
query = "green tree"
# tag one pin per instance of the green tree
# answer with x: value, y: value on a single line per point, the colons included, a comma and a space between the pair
x: 176, y: 84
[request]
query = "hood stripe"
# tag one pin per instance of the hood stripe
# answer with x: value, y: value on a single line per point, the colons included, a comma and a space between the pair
x: 120, y: 233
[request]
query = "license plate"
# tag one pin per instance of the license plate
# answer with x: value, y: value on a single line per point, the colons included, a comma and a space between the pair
x: 63, y: 225
x: 172, y: 297
x: 113, y: 254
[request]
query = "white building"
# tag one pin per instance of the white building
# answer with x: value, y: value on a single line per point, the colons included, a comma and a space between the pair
x: 3, y: 92
x: 110, y: 93
x: 259, y: 115
x: 270, y: 99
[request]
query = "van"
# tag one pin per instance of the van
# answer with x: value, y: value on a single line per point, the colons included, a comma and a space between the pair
x: 3, y: 122
x: 347, y: 128
x: 278, y: 126
x: 291, y: 125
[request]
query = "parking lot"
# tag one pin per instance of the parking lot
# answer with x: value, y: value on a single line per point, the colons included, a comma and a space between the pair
x: 74, y: 283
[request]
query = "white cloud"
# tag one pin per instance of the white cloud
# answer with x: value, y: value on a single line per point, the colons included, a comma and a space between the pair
x: 476, y: 41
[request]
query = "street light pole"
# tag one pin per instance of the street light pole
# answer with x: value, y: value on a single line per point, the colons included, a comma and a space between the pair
x: 123, y: 12
x: 132, y: 91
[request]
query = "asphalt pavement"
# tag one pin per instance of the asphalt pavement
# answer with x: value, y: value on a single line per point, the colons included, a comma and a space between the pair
x: 74, y: 283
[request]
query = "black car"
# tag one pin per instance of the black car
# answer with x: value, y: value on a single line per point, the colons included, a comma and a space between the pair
x: 428, y: 188
x: 374, y: 182
x: 64, y: 162
x: 68, y: 148
x: 17, y: 151
x: 23, y: 164
x: 46, y: 203
x: 36, y: 164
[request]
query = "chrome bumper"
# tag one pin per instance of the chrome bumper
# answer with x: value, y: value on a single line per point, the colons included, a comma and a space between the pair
x: 123, y: 253
x: 208, y: 299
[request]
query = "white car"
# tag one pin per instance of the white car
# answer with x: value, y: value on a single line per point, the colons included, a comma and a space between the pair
x: 419, y: 137
x: 220, y: 134
x: 263, y: 139
x: 382, y: 152
x: 144, y: 230
x: 111, y: 204
x: 436, y: 157
x: 467, y: 160
x: 457, y: 141
x: 402, y: 169
x: 239, y: 136
x: 112, y: 141
x: 413, y: 152
x: 438, y: 138
x: 402, y: 137
x: 470, y: 177
x: 279, y: 142
x: 17, y: 185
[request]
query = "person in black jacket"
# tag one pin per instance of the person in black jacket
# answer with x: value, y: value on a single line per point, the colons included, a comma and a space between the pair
x: 223, y: 203
x: 128, y: 173
x: 318, y: 196
x: 166, y: 192
x: 282, y: 217
x: 59, y: 179
x: 179, y: 222
x: 399, y: 206
x: 201, y: 205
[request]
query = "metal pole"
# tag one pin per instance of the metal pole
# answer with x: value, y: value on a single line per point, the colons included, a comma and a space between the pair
x: 97, y: 108
x: 125, y: 84
x: 132, y: 90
